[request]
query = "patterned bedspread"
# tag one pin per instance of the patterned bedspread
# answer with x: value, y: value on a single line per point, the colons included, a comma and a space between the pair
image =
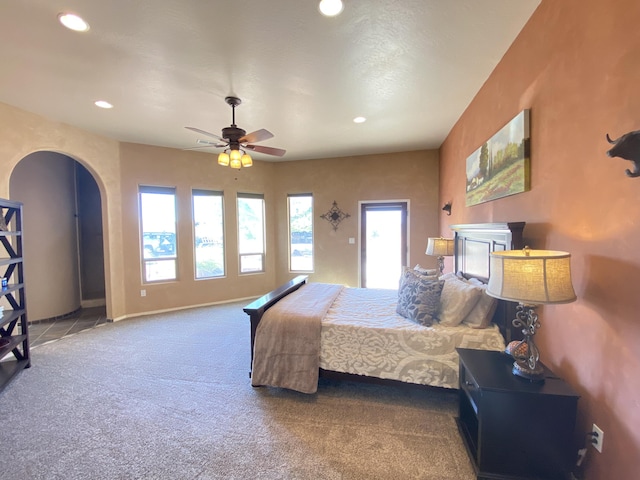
x: 363, y: 334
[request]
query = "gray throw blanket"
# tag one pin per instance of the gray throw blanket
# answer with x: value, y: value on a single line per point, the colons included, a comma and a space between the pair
x: 287, y: 343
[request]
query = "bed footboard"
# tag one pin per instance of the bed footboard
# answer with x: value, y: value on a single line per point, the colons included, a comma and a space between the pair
x: 256, y: 309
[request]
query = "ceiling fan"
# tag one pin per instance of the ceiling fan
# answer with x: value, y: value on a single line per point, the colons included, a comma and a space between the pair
x: 235, y: 140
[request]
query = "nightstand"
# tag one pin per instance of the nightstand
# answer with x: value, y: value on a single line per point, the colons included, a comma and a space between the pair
x: 513, y: 428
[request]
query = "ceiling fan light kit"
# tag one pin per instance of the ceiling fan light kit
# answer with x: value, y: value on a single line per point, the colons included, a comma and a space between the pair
x: 236, y: 140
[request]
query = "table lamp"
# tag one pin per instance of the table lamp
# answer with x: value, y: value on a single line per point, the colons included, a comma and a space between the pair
x: 440, y: 247
x: 531, y: 278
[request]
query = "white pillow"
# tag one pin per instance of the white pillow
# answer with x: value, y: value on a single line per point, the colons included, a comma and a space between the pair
x: 481, y: 314
x: 457, y: 299
x: 477, y: 282
x: 425, y: 271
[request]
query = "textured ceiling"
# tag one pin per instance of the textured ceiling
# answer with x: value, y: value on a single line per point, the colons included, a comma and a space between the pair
x: 410, y: 67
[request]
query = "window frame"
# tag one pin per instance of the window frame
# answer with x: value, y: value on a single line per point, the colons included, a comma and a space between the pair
x: 256, y: 196
x: 195, y: 192
x: 144, y: 261
x: 289, y: 237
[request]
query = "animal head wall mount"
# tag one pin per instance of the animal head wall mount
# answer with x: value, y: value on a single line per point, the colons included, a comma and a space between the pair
x: 627, y: 147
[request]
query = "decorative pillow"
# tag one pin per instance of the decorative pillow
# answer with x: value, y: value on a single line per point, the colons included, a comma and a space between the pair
x: 481, y: 314
x: 425, y: 271
x: 408, y: 272
x: 457, y: 299
x: 418, y: 298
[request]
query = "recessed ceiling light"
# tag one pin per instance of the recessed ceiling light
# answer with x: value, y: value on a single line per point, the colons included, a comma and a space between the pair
x: 73, y: 22
x: 330, y: 8
x: 103, y: 104
x: 359, y: 120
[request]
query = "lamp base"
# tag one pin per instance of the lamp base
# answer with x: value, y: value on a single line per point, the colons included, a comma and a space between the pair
x: 535, y: 374
x: 526, y: 352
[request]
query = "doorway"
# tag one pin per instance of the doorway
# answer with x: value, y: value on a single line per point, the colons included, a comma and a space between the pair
x: 90, y: 238
x: 383, y: 243
x: 63, y: 242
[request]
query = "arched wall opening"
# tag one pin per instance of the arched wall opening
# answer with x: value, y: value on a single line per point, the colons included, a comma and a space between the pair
x: 63, y: 242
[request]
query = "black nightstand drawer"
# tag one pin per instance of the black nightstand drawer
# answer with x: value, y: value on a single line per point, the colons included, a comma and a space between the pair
x: 469, y: 385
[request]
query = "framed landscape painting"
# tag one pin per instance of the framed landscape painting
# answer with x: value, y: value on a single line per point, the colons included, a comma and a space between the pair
x: 500, y: 167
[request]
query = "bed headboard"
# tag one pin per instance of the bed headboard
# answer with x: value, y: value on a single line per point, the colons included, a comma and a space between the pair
x: 473, y: 245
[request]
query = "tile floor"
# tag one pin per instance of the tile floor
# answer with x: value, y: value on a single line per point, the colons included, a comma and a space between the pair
x: 47, y: 330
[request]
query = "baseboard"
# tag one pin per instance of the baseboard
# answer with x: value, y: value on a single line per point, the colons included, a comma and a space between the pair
x: 95, y: 302
x: 186, y: 307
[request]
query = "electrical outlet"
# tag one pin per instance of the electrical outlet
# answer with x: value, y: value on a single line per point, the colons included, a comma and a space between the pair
x: 143, y: 293
x: 598, y: 438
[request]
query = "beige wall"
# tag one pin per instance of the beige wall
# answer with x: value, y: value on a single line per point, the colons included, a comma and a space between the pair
x: 145, y: 165
x: 576, y: 65
x: 411, y: 176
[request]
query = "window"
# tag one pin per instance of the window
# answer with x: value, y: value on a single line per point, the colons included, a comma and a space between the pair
x: 383, y: 243
x: 208, y: 225
x: 300, y: 232
x: 158, y: 225
x: 251, y: 232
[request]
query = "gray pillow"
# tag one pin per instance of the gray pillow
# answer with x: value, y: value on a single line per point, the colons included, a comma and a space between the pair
x: 419, y: 298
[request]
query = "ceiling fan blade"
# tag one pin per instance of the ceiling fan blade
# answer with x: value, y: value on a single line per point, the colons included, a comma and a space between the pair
x: 202, y: 132
x: 207, y: 143
x: 199, y: 148
x: 257, y: 136
x: 278, y: 152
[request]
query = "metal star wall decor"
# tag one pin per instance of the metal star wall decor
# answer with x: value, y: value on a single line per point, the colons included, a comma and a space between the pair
x: 334, y: 216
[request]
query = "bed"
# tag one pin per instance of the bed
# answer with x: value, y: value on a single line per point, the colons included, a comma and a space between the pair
x: 302, y: 331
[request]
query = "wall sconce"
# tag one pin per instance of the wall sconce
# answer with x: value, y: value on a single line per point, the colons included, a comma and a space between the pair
x: 447, y: 208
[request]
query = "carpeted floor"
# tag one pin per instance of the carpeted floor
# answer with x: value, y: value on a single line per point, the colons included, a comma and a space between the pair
x: 169, y: 397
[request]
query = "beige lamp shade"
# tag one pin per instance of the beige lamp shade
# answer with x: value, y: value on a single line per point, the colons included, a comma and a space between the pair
x: 531, y: 277
x: 440, y: 247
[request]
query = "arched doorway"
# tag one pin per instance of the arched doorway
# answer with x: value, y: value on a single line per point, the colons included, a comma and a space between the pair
x: 63, y: 241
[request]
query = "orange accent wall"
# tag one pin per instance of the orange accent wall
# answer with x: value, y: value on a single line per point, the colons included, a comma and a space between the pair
x: 576, y: 65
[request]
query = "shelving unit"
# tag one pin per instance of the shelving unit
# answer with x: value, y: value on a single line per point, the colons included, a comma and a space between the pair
x: 14, y: 332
